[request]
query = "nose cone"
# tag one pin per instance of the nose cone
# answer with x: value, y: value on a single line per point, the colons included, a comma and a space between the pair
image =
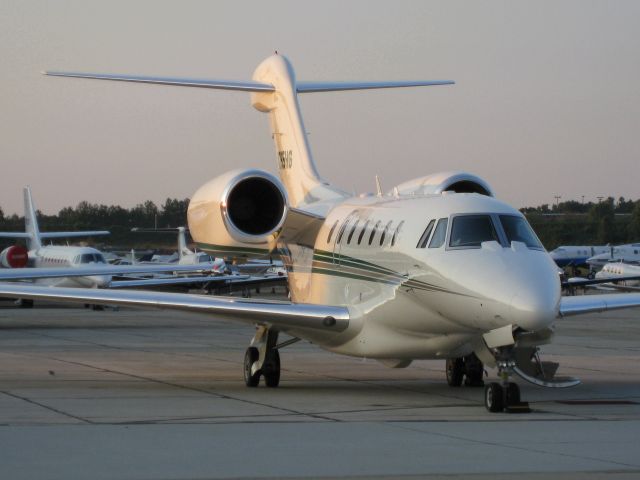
x: 535, y: 308
x: 536, y: 302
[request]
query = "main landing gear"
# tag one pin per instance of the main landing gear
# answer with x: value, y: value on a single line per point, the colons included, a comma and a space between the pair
x: 469, y: 369
x: 504, y: 396
x: 262, y: 358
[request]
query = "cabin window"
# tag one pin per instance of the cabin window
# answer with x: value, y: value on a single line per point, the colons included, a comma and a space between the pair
x: 469, y: 231
x: 395, y: 234
x: 384, y: 232
x: 518, y: 229
x: 331, y: 231
x: 342, y: 229
x: 353, y: 229
x: 425, y: 235
x: 373, y: 231
x: 440, y: 234
x: 364, y: 229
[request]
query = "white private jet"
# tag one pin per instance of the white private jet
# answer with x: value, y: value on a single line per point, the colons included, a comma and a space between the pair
x: 186, y: 256
x: 622, y: 275
x: 52, y: 256
x: 574, y: 255
x: 629, y: 253
x: 436, y: 268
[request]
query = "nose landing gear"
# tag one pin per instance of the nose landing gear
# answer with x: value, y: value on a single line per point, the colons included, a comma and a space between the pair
x: 504, y: 396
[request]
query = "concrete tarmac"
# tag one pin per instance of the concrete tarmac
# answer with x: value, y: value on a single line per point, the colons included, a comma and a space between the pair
x: 134, y: 394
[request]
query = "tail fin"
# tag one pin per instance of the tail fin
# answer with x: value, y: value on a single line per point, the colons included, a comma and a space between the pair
x: 295, y: 162
x: 182, y: 243
x: 34, y: 241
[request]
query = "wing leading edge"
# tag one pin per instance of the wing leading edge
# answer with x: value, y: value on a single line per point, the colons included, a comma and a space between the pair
x: 279, y: 314
x: 584, y: 304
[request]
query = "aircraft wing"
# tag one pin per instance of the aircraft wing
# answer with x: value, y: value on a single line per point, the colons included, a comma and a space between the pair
x: 282, y: 315
x: 33, y: 273
x: 582, y: 304
x: 585, y: 282
x: 241, y: 280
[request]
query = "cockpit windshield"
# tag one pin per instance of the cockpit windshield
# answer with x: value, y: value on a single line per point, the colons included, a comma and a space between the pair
x: 92, y: 258
x: 469, y: 231
x: 517, y: 229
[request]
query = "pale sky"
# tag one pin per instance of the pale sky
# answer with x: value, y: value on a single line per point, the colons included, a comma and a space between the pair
x: 547, y: 100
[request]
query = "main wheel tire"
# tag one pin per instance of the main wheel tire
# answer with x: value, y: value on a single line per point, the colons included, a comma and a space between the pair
x: 271, y: 370
x: 250, y: 357
x: 454, y: 369
x: 493, y: 400
x: 513, y: 394
x: 474, y: 371
x: 26, y: 303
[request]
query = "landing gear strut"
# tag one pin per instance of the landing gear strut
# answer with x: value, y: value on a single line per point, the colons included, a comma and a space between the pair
x: 470, y: 367
x: 504, y: 396
x: 262, y: 359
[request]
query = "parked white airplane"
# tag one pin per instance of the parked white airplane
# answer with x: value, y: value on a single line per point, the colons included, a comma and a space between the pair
x: 51, y: 264
x: 629, y: 253
x: 572, y: 255
x: 51, y: 256
x: 623, y: 274
x: 437, y: 268
x: 186, y: 256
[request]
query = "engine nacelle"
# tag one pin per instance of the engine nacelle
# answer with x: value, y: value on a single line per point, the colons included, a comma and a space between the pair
x: 459, y: 182
x: 15, y: 256
x: 238, y: 214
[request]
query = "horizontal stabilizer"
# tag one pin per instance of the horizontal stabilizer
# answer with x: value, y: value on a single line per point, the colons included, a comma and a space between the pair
x: 182, y: 82
x: 282, y: 315
x: 14, y: 235
x: 311, y: 87
x: 73, y: 234
x: 301, y: 87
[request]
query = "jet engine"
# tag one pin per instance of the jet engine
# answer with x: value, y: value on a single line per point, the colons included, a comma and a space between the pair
x: 15, y: 256
x: 238, y: 214
x: 459, y: 182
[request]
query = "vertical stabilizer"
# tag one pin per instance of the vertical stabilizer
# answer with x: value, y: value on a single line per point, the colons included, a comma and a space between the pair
x: 295, y: 163
x: 182, y: 243
x: 31, y: 222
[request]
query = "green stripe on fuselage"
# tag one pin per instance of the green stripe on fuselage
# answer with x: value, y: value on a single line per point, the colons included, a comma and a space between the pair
x: 228, y: 248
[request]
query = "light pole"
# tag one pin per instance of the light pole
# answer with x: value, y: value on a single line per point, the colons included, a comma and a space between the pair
x: 557, y: 197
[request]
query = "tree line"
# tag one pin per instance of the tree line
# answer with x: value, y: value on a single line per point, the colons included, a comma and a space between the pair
x: 608, y: 221
x: 565, y: 223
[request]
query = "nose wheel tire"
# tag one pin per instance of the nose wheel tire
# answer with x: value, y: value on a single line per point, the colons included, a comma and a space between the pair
x: 493, y: 397
x: 251, y: 356
x: 513, y: 394
x: 499, y: 398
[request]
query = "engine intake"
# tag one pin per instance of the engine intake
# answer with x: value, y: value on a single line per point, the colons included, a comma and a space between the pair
x: 15, y: 256
x: 459, y: 182
x: 239, y: 214
x: 255, y: 205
